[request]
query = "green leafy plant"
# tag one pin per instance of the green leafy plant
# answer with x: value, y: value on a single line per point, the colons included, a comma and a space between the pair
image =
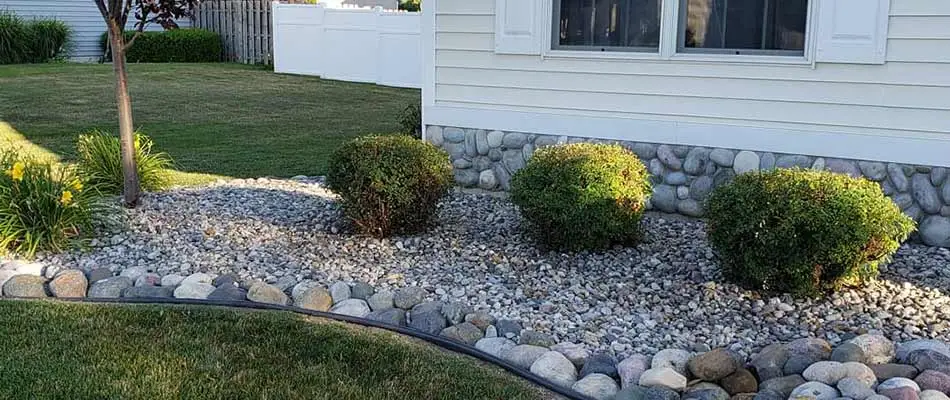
x: 803, y: 231
x: 100, y: 162
x: 389, y: 184
x: 411, y: 120
x: 42, y: 207
x: 410, y: 5
x: 50, y: 40
x: 582, y: 196
x: 175, y: 45
x: 34, y: 41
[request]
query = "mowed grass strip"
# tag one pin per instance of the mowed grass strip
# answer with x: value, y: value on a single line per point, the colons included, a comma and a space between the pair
x: 54, y: 350
x: 226, y: 120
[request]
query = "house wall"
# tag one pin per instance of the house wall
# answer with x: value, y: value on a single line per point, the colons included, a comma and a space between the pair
x: 897, y: 113
x: 81, y: 15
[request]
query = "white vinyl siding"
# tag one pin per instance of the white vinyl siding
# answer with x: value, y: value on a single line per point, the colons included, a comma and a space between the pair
x: 908, y: 97
x: 81, y: 15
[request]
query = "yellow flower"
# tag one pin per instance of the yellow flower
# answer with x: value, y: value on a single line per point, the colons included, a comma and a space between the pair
x: 17, y: 171
x: 67, y: 198
x: 76, y: 185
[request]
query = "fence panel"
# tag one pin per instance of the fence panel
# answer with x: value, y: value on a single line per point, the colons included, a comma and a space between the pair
x: 244, y: 26
x: 351, y: 44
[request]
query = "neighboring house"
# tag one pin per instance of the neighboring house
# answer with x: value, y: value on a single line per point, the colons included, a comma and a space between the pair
x: 81, y: 15
x: 700, y: 89
x: 386, y: 4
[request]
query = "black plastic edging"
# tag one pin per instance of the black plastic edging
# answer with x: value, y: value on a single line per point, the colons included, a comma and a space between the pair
x: 433, y: 339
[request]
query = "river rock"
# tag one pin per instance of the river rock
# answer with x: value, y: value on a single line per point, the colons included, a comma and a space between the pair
x: 362, y: 290
x: 876, y: 348
x: 198, y: 277
x: 848, y: 352
x: 316, y: 298
x: 381, y: 301
x: 408, y: 297
x: 267, y: 294
x: 804, y: 352
x: 556, y: 368
x: 933, y: 395
x: 69, y: 283
x: 814, y: 390
x: 427, y: 317
x: 854, y: 389
x: 340, y: 291
x: 596, y: 386
x: 713, y: 365
x: 705, y: 391
x: 933, y: 380
x: 784, y: 385
x: 523, y: 355
x: 495, y: 346
x: 884, y: 372
x: 894, y: 383
x: 463, y: 333
x: 631, y: 368
x: 25, y: 286
x: 149, y: 292
x: 672, y: 358
x: 663, y: 377
x: 770, y: 362
x: 827, y: 372
x: 391, y: 316
x: 740, y: 381
x: 929, y: 359
x: 904, y: 349
x: 226, y: 293
x: 198, y: 291
x: 109, y: 287
x: 900, y: 393
x: 351, y: 307
x: 600, y: 363
x: 455, y: 312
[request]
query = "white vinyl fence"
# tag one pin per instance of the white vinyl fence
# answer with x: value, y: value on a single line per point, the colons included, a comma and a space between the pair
x: 350, y: 44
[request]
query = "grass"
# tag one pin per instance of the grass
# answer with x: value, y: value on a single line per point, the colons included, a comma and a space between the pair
x: 214, y: 119
x: 53, y: 350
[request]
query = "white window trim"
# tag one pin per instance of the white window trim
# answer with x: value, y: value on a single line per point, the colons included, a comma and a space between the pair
x: 669, y: 36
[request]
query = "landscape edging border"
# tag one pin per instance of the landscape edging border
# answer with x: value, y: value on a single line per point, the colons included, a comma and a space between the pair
x: 442, y: 342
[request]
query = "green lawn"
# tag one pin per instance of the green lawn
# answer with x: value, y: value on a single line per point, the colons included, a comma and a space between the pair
x: 52, y: 350
x: 220, y: 119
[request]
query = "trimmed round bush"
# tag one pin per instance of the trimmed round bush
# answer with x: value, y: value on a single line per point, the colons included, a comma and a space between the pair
x: 389, y: 184
x: 582, y: 196
x: 803, y: 231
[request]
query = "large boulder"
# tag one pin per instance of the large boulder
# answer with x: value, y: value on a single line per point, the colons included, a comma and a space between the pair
x: 556, y: 368
x: 631, y: 368
x: 351, y: 307
x: 600, y: 363
x: 741, y: 381
x: 69, y: 283
x: 315, y: 298
x: 596, y: 386
x: 427, y: 317
x: 25, y: 286
x: 814, y: 390
x: 933, y: 380
x: 663, y: 377
x: 496, y: 346
x: 783, y: 385
x: 523, y: 355
x: 390, y: 316
x: 463, y: 333
x: 109, y: 287
x: 672, y: 358
x: 877, y: 348
x: 713, y: 365
x: 770, y: 362
x: 267, y: 294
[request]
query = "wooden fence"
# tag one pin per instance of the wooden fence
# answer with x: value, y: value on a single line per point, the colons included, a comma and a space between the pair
x: 245, y: 28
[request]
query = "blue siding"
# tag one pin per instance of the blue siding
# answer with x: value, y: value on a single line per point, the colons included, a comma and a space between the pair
x: 81, y: 15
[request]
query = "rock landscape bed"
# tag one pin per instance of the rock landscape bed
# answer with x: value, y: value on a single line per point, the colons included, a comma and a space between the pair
x: 635, y: 322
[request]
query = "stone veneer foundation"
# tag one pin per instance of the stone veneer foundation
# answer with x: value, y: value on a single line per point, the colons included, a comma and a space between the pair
x: 683, y: 176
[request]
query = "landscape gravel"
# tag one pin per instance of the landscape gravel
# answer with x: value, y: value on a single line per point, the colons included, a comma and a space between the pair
x: 664, y: 293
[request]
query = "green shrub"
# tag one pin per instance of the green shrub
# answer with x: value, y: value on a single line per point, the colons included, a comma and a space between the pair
x: 803, y: 231
x: 411, y: 120
x: 33, y: 41
x: 410, y: 5
x: 389, y: 184
x: 582, y: 196
x: 50, y: 40
x: 175, y: 45
x: 42, y: 207
x: 100, y: 162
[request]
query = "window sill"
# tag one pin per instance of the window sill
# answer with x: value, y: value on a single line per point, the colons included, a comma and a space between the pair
x: 679, y: 58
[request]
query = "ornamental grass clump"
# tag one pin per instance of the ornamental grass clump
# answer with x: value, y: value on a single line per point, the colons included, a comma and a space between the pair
x: 100, y: 162
x: 582, y: 196
x: 42, y: 207
x: 803, y: 231
x: 389, y: 184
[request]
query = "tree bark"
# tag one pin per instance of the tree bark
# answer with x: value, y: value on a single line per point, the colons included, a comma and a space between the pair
x: 130, y: 191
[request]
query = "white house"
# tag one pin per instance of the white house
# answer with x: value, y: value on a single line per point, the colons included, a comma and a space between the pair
x: 699, y: 89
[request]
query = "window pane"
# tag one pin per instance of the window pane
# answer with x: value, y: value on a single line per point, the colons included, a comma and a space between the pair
x: 603, y: 24
x: 746, y: 24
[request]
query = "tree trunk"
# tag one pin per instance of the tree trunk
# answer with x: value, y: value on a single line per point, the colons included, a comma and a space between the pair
x: 130, y: 191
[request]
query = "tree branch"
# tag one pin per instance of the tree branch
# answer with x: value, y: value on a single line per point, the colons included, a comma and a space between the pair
x: 102, y: 9
x: 132, y: 40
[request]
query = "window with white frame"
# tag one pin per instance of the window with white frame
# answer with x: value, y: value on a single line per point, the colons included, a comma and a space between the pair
x: 758, y: 27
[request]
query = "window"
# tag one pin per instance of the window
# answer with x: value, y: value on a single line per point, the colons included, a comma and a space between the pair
x: 757, y: 27
x: 607, y: 25
x: 743, y: 26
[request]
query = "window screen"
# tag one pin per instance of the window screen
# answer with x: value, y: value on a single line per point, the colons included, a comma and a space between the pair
x: 601, y: 25
x: 744, y: 26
